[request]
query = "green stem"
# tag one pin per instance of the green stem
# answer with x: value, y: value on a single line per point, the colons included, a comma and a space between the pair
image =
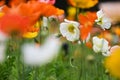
x: 82, y: 73
x: 16, y: 43
x: 77, y: 13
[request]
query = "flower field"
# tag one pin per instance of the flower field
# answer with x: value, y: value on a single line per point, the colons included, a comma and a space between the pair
x: 39, y: 41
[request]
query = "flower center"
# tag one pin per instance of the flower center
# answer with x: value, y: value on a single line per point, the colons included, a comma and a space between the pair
x: 71, y: 28
x: 100, y: 21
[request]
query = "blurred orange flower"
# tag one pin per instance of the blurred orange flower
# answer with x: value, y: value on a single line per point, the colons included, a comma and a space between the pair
x: 116, y: 30
x: 83, y: 3
x: 32, y: 10
x: 15, y: 2
x: 11, y: 3
x: 2, y: 2
x: 107, y: 35
x: 12, y: 24
x: 86, y: 21
x: 34, y: 13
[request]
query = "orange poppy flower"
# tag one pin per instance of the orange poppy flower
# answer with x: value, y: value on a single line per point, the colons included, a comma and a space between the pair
x: 15, y: 2
x: 12, y: 24
x: 32, y: 31
x: 86, y: 21
x: 11, y: 3
x: 30, y: 10
x: 2, y: 2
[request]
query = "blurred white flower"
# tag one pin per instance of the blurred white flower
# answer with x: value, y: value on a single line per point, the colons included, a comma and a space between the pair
x: 70, y: 30
x: 3, y: 39
x: 100, y: 45
x: 2, y: 52
x: 103, y: 20
x: 108, y: 53
x: 45, y: 22
x: 39, y: 55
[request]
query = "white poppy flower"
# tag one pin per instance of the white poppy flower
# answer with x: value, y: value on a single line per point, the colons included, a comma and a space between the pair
x: 100, y: 45
x: 103, y: 20
x: 39, y: 55
x: 70, y: 30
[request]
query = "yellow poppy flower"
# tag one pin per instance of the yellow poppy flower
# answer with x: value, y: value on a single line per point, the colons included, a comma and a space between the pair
x: 71, y: 11
x: 30, y: 34
x: 83, y: 3
x: 112, y: 63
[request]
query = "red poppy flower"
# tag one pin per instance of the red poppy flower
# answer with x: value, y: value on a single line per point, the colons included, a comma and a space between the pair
x: 11, y: 3
x: 33, y: 10
x: 13, y: 24
x: 86, y: 21
x: 2, y: 2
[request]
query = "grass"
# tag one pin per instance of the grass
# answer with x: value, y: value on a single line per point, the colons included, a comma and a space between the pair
x: 72, y: 63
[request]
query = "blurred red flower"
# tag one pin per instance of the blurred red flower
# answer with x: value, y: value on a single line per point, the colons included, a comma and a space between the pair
x: 86, y: 24
x: 33, y: 10
x: 21, y: 9
x: 12, y: 24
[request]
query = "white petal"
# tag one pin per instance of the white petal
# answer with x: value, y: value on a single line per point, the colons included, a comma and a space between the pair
x: 45, y: 21
x: 103, y: 20
x: 100, y: 14
x: 66, y: 33
x: 95, y: 40
x: 70, y: 37
x: 35, y: 55
x: 72, y: 22
x: 105, y: 46
x: 106, y: 23
x: 108, y: 53
x: 96, y: 49
x: 100, y: 45
x: 64, y: 29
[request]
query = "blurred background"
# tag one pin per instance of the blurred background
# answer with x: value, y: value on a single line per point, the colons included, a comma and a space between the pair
x: 110, y: 7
